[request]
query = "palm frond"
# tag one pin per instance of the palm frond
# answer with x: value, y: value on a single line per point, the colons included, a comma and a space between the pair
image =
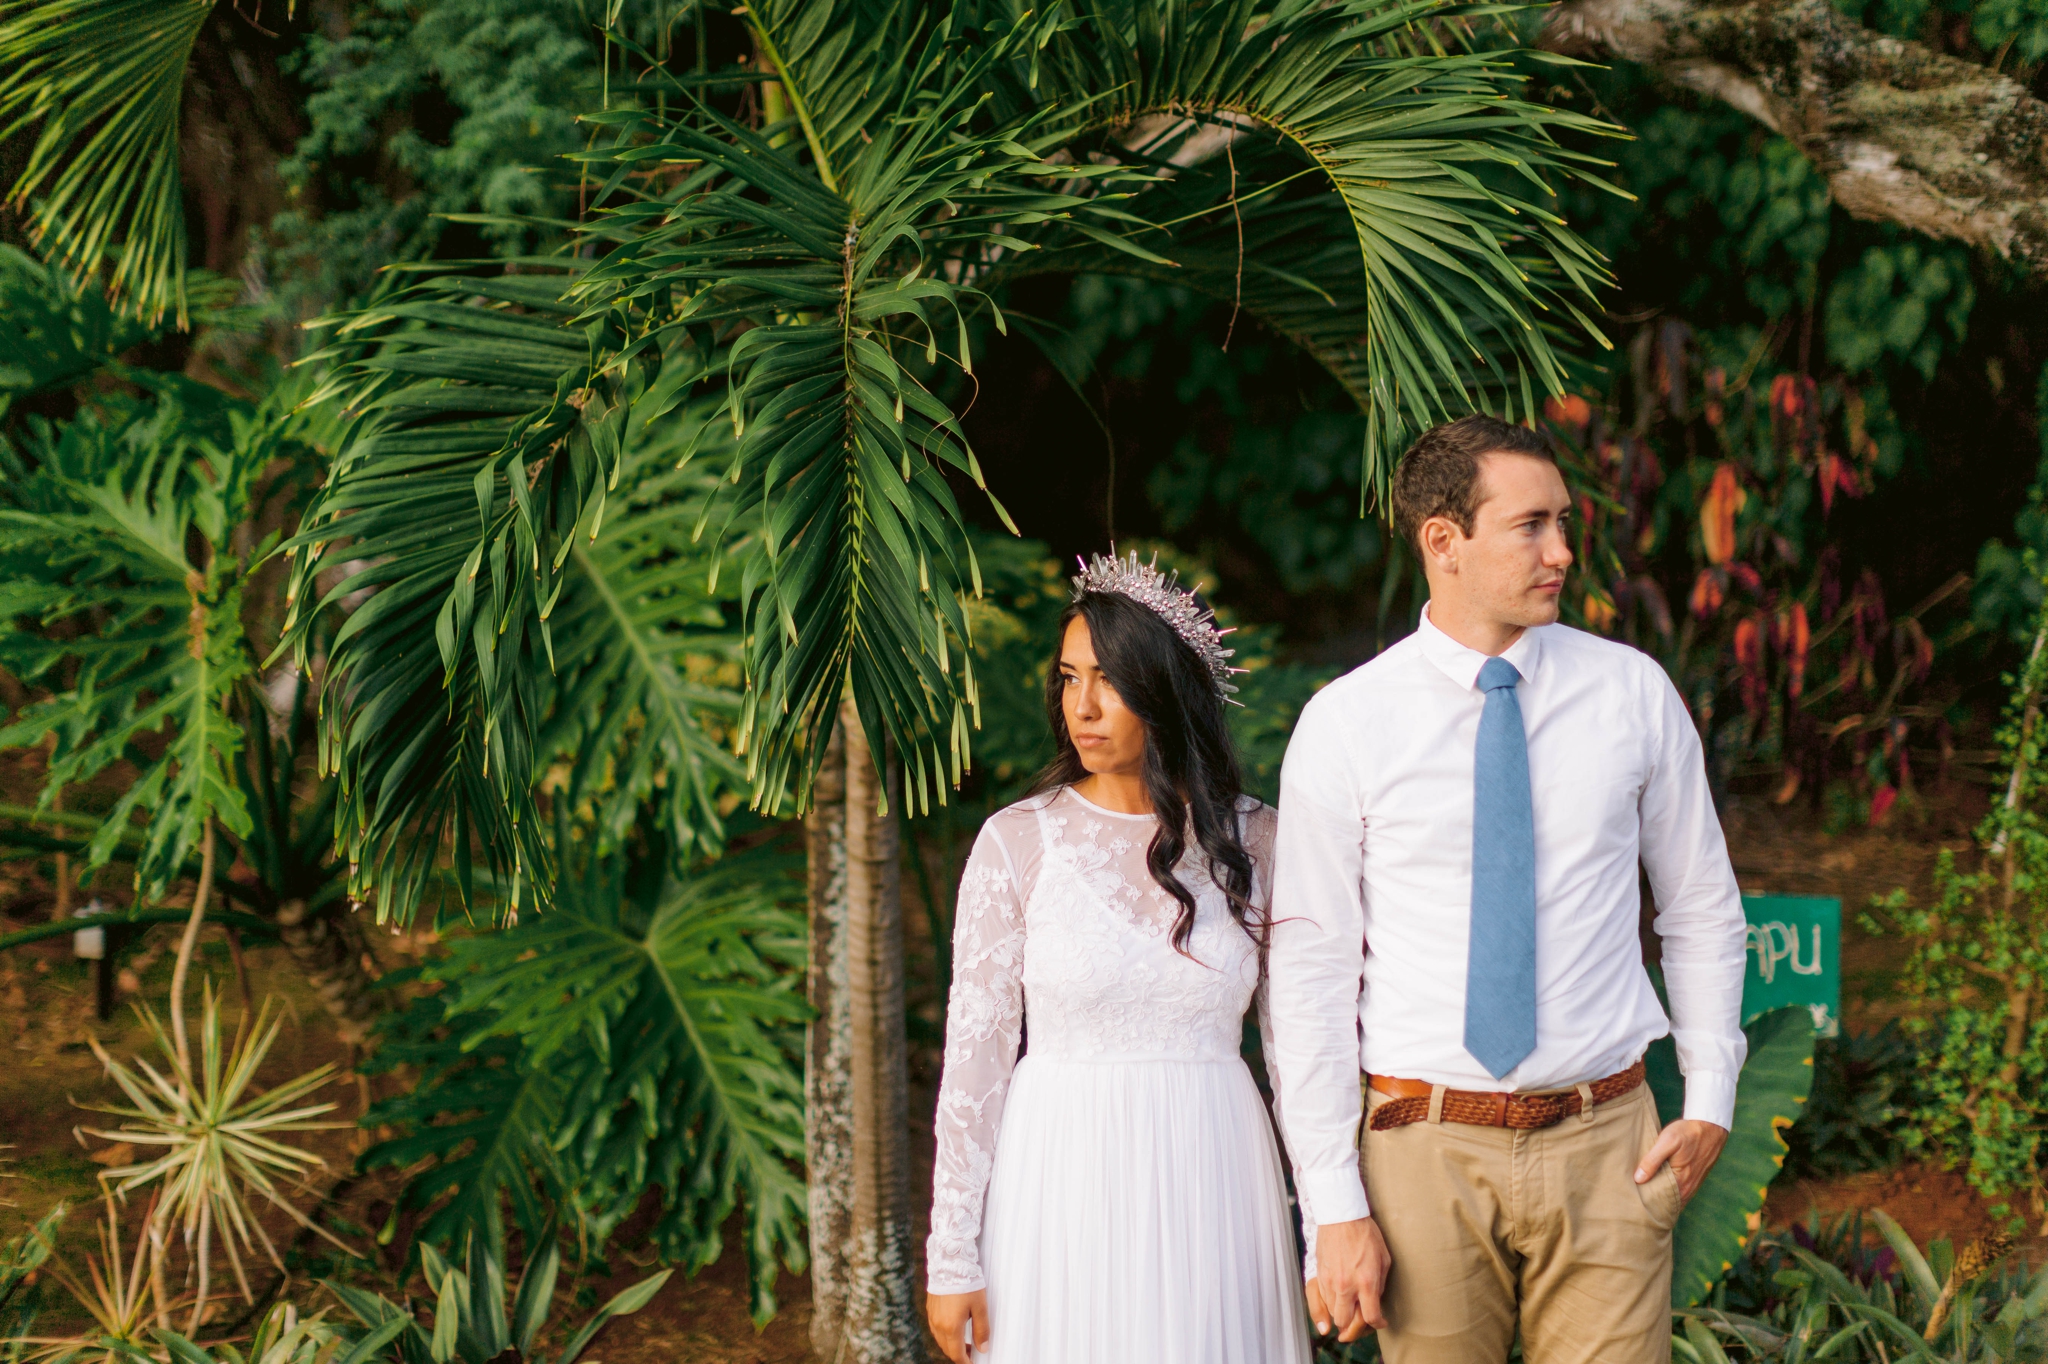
x: 104, y: 79
x: 520, y: 543
x: 1363, y: 177
x: 53, y: 331
x: 645, y: 693
x: 819, y: 282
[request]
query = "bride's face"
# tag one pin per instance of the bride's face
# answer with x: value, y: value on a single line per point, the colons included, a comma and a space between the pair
x: 1109, y: 738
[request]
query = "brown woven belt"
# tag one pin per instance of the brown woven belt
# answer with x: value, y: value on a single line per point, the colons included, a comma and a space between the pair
x: 1409, y: 1102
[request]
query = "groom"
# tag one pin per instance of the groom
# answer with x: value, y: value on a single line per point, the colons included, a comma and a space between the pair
x: 1456, y: 907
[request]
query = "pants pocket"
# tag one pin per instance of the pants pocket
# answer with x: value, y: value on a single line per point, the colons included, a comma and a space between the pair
x: 1662, y: 1198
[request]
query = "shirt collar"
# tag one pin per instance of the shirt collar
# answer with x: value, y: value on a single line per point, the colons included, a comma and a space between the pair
x: 1462, y: 665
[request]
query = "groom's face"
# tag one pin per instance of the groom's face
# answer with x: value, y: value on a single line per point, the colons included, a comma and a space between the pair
x: 1510, y: 569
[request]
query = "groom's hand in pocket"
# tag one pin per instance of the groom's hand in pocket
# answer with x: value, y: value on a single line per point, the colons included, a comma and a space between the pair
x: 1352, y: 1264
x: 1691, y: 1147
x: 950, y: 1314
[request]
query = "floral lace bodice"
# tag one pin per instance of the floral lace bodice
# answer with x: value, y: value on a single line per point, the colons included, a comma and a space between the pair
x: 1058, y: 918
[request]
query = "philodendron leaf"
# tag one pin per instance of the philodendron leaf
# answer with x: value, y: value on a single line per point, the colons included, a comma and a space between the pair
x: 1728, y: 1208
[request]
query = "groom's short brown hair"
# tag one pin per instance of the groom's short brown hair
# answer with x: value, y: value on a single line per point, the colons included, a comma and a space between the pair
x: 1439, y: 476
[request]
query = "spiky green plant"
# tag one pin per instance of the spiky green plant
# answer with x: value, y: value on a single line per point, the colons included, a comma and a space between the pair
x: 471, y: 1325
x: 221, y: 1141
x: 122, y: 1294
x: 1830, y: 1298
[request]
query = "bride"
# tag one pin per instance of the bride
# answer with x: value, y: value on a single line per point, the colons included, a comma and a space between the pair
x: 1115, y: 1194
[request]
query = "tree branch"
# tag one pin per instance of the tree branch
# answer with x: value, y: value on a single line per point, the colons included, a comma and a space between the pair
x: 1903, y: 133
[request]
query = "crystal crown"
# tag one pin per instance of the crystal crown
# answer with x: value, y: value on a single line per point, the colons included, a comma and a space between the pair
x: 1162, y: 594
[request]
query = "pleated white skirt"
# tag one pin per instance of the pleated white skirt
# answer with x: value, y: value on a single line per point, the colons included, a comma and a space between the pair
x: 1137, y: 1212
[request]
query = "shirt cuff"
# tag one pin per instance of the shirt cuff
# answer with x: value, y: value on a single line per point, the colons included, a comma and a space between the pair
x: 1710, y: 1097
x: 956, y: 1283
x: 1336, y: 1195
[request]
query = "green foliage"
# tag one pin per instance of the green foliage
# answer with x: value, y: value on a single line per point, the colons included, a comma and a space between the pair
x: 471, y: 1324
x: 2008, y: 593
x: 123, y: 594
x: 53, y: 332
x: 101, y: 81
x: 1012, y: 623
x: 811, y: 277
x: 641, y: 1032
x: 541, y: 536
x: 1741, y: 225
x: 2010, y: 34
x: 1722, y: 1215
x: 1909, y: 300
x: 1979, y: 951
x: 1861, y: 1107
x: 1820, y: 1293
x: 421, y: 111
x: 21, y: 1291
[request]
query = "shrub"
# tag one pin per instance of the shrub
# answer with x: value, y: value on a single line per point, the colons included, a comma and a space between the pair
x: 1861, y: 1107
x: 1979, y: 952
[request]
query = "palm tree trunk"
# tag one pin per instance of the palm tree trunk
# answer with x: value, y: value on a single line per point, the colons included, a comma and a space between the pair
x: 863, y: 1261
x: 328, y: 948
x: 828, y: 1070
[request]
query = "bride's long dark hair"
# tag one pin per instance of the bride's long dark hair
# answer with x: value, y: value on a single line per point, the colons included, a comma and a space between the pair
x: 1191, y: 769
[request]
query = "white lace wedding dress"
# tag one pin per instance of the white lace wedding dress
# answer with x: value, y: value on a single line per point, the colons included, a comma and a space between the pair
x: 1118, y: 1190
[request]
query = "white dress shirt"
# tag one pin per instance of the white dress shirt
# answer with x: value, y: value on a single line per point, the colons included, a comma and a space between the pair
x: 1373, y: 888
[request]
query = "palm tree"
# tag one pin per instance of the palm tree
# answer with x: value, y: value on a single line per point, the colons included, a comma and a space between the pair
x: 781, y: 280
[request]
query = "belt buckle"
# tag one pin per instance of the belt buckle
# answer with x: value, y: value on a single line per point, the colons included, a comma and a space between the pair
x: 1500, y: 1109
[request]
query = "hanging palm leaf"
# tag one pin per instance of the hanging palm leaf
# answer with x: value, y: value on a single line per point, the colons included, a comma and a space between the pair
x: 1361, y: 177
x: 527, y: 594
x: 102, y: 81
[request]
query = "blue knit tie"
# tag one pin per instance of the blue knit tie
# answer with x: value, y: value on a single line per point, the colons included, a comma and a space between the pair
x: 1500, y: 966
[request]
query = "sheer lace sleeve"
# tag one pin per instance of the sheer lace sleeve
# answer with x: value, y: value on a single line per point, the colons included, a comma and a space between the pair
x: 1260, y: 827
x: 984, y: 1020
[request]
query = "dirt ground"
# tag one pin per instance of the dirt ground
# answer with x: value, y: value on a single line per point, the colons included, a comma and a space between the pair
x: 47, y: 1069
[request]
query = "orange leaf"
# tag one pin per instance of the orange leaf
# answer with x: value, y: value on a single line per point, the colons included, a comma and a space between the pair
x: 1570, y: 410
x: 1724, y: 498
x: 1786, y: 398
x: 1749, y: 650
x: 1706, y: 594
x: 1796, y: 636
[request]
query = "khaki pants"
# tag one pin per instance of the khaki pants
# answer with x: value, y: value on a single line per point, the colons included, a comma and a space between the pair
x: 1491, y: 1229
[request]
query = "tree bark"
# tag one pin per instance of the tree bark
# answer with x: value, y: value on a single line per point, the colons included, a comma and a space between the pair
x: 863, y: 1260
x: 1902, y: 133
x: 328, y: 947
x: 828, y: 1075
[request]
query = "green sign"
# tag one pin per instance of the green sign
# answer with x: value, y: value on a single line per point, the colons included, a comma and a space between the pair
x: 1794, y: 957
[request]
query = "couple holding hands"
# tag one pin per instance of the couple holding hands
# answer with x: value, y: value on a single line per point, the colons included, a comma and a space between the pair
x: 1439, y: 931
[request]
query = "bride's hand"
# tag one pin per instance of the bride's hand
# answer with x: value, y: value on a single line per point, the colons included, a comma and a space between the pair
x: 949, y: 1314
x: 1352, y: 1264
